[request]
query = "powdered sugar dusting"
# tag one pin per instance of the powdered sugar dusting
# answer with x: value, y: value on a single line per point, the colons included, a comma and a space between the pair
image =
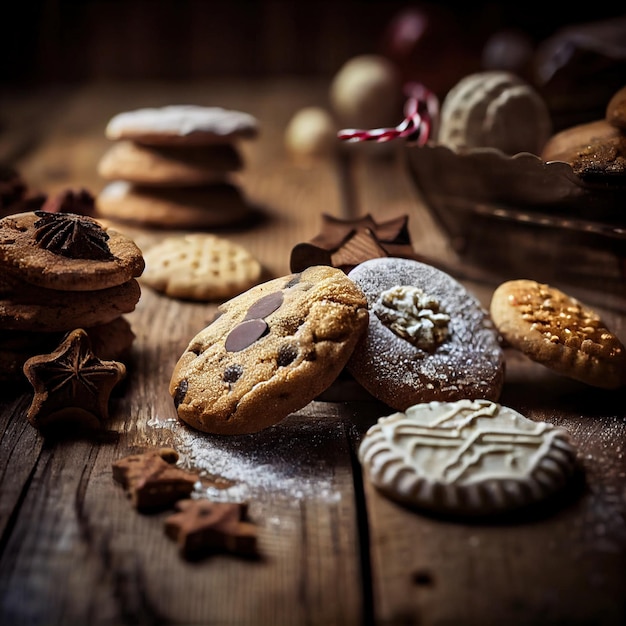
x: 181, y: 120
x: 272, y: 464
x: 469, y: 364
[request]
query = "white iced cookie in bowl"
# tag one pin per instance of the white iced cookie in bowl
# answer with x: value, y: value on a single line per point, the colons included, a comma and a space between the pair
x: 469, y: 457
x: 494, y: 109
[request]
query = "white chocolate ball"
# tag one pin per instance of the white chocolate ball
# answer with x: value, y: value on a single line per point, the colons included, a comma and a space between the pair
x: 311, y: 132
x: 367, y: 93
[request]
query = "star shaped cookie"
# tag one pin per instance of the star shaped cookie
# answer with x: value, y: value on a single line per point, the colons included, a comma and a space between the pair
x: 151, y: 479
x: 202, y: 526
x: 71, y: 384
x: 346, y: 243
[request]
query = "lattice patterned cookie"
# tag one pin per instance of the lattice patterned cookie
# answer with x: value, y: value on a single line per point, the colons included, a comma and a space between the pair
x: 560, y: 332
x: 469, y: 457
x: 200, y: 266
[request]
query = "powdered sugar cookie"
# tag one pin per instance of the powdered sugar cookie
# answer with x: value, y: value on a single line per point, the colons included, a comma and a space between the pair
x: 559, y: 332
x: 168, y: 165
x: 200, y: 266
x: 182, y: 125
x: 428, y: 338
x: 469, y: 457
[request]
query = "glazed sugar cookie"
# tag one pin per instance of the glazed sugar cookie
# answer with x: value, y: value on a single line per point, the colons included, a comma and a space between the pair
x: 207, y: 206
x: 428, y: 338
x: 469, y: 457
x: 66, y: 251
x: 169, y: 166
x: 559, y: 332
x: 200, y: 266
x: 272, y: 350
x: 182, y: 125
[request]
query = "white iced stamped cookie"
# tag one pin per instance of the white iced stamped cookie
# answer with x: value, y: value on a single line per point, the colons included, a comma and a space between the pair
x: 183, y: 124
x: 200, y: 266
x: 470, y: 457
x: 494, y: 109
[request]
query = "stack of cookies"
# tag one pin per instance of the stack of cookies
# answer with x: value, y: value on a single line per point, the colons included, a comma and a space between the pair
x: 173, y: 167
x: 60, y: 272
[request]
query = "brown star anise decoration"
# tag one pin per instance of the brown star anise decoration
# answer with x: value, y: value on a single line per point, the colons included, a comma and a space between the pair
x: 346, y: 243
x: 202, y: 526
x: 71, y: 384
x: 71, y: 235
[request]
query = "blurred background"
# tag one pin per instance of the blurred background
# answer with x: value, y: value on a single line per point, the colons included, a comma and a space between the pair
x: 45, y: 41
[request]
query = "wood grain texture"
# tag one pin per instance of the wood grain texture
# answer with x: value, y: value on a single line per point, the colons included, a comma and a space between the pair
x: 332, y: 549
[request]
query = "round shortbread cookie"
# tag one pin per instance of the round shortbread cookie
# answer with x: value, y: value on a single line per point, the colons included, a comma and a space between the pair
x: 428, y: 338
x: 184, y: 124
x: 494, y: 109
x: 169, y: 166
x: 66, y: 251
x: 38, y: 308
x: 200, y: 266
x: 469, y: 457
x: 208, y: 206
x: 559, y: 332
x: 272, y: 350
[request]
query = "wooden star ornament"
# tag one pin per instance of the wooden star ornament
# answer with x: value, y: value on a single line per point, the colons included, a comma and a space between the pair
x: 71, y: 384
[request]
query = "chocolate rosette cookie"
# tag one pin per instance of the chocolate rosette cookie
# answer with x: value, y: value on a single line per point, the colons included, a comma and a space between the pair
x: 428, y: 338
x: 270, y: 352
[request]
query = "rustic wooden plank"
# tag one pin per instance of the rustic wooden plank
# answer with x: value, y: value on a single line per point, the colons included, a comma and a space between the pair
x: 72, y: 523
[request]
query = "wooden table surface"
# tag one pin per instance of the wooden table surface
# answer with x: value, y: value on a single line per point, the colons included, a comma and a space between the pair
x: 333, y: 550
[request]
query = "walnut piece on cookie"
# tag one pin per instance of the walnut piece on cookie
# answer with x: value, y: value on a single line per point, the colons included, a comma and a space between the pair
x: 428, y: 337
x: 201, y: 527
x: 468, y: 457
x: 558, y: 331
x: 71, y: 384
x: 272, y: 350
x: 200, y: 266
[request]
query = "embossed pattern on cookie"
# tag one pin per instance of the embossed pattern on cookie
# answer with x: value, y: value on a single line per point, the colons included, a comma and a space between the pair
x: 471, y: 457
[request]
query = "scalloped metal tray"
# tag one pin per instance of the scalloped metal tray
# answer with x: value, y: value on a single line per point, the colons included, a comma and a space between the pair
x: 523, y: 216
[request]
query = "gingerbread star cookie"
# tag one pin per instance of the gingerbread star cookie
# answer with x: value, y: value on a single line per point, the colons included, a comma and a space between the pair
x: 202, y: 526
x: 151, y: 479
x: 346, y: 243
x: 71, y: 384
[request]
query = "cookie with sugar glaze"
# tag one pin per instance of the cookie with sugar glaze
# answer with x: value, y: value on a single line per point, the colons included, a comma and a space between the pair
x: 182, y: 124
x: 469, y: 457
x: 560, y: 332
x: 272, y: 350
x: 428, y: 338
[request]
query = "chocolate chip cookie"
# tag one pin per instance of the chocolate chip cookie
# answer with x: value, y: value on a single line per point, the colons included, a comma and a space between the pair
x: 271, y: 351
